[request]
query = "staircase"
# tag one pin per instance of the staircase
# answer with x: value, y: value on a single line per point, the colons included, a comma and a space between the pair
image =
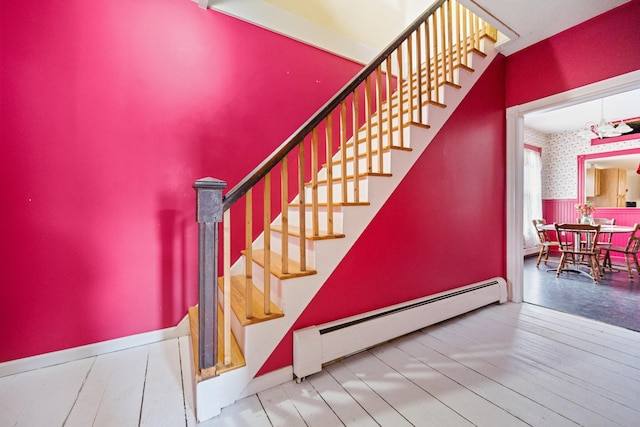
x: 340, y: 179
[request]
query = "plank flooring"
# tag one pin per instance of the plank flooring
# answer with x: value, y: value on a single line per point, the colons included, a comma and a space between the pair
x: 502, y: 365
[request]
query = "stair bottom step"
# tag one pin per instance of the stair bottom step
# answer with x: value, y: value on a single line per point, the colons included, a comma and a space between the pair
x: 237, y: 359
x: 239, y: 304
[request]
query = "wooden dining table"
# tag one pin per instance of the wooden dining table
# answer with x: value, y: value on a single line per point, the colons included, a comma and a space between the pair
x: 603, y: 228
x: 614, y: 229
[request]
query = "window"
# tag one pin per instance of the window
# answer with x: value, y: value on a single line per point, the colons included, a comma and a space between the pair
x: 531, y: 194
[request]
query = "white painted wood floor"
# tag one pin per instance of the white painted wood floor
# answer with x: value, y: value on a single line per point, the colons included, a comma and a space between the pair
x: 508, y: 365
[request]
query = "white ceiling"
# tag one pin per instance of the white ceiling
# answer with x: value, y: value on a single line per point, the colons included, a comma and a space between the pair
x: 523, y: 22
x: 527, y: 22
x: 620, y: 106
x: 627, y: 162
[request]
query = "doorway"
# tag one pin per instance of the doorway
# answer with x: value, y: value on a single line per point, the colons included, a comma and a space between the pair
x: 515, y: 155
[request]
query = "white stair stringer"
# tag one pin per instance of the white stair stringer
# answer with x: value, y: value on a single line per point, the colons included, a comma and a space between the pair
x: 261, y: 339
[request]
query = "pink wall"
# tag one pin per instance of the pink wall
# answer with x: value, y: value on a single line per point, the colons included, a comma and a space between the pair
x: 559, y: 210
x: 563, y: 210
x: 109, y: 112
x: 443, y: 227
x: 603, y: 47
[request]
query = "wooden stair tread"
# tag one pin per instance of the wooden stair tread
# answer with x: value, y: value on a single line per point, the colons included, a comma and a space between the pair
x: 238, y: 302
x: 384, y: 149
x: 295, y: 231
x: 237, y: 359
x: 324, y: 204
x: 405, y: 109
x: 350, y: 178
x: 374, y: 135
x: 276, y: 265
x: 362, y: 155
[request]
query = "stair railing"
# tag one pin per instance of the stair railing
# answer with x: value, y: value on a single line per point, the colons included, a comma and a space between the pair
x: 350, y: 135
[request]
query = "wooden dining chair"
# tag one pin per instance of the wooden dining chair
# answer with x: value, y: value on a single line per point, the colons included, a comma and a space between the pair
x: 604, y: 240
x: 630, y: 251
x: 545, y: 241
x: 578, y: 244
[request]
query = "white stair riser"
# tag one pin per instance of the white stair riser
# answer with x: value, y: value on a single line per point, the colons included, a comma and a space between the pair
x: 362, y: 165
x: 337, y: 191
x: 293, y: 247
x: 236, y: 327
x: 275, y: 284
x: 374, y: 151
x: 294, y: 218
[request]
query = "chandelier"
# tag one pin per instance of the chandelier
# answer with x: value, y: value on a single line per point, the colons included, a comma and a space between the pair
x: 604, y: 129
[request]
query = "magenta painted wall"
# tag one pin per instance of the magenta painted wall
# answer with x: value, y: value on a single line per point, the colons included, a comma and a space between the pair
x: 108, y: 113
x: 563, y: 210
x: 443, y: 227
x: 603, y: 47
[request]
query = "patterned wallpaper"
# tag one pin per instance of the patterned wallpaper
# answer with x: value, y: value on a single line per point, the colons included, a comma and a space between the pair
x: 559, y: 159
x: 533, y: 137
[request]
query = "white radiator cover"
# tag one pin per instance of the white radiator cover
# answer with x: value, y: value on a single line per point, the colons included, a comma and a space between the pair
x: 317, y: 345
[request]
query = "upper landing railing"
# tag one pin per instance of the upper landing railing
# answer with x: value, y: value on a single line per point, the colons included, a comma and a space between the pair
x: 379, y: 102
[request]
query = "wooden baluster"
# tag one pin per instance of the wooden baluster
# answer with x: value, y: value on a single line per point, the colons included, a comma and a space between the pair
x: 427, y: 54
x: 226, y: 285
x: 436, y: 62
x: 379, y: 113
x: 455, y: 41
x: 329, y: 156
x: 474, y: 32
x: 465, y: 37
x: 314, y: 182
x: 389, y: 101
x: 410, y: 72
x: 367, y: 111
x: 450, y: 42
x: 443, y: 39
x: 356, y: 166
x: 248, y: 274
x: 400, y: 97
x: 267, y: 243
x: 486, y: 29
x: 284, y: 189
x: 491, y: 31
x: 343, y: 150
x: 301, y: 197
x: 419, y: 83
x: 460, y: 22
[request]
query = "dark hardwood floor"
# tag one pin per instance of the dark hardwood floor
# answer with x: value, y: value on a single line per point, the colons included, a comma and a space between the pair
x: 614, y: 300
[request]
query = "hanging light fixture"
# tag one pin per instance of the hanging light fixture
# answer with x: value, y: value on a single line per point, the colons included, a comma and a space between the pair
x: 604, y: 129
x: 622, y: 127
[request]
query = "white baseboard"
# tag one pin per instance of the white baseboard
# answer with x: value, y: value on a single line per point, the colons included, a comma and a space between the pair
x: 17, y: 366
x: 268, y: 380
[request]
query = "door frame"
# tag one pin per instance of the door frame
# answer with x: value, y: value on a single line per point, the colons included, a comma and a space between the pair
x: 515, y: 118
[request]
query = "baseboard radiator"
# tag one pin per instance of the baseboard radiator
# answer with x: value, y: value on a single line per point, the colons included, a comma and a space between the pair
x: 317, y: 345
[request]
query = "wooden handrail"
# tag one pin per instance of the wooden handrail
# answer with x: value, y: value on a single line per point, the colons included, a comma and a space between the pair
x: 285, y: 148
